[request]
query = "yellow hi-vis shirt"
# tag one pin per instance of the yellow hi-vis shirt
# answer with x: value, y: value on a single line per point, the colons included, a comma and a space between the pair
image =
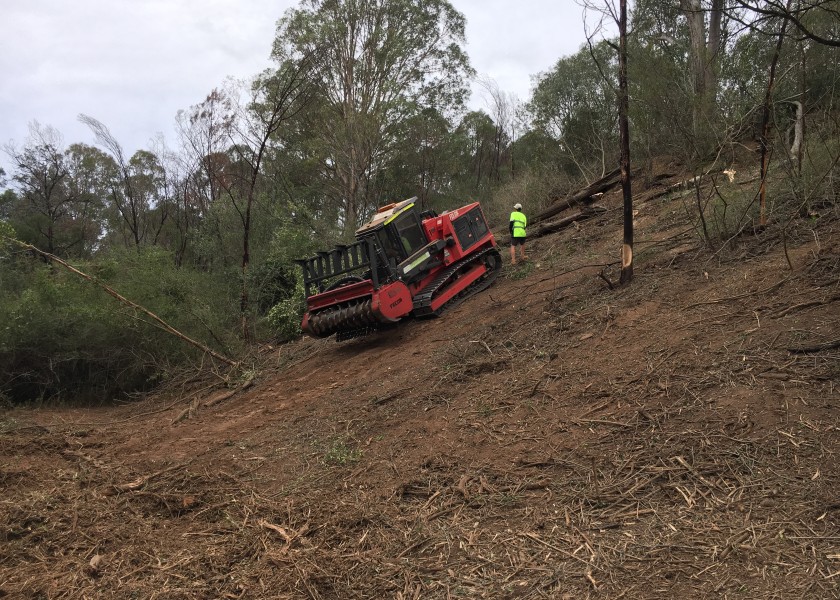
x: 519, y: 222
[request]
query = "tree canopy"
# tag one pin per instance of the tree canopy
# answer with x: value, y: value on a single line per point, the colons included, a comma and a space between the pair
x: 378, y: 64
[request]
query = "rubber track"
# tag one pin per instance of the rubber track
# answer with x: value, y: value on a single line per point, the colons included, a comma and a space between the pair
x: 422, y: 302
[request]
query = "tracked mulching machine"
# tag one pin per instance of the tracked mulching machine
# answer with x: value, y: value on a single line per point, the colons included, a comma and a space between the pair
x: 402, y: 263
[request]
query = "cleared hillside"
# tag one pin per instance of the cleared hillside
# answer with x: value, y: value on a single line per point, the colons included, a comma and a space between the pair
x: 549, y: 438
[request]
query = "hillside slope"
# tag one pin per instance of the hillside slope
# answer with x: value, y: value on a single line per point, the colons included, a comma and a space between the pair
x: 549, y: 438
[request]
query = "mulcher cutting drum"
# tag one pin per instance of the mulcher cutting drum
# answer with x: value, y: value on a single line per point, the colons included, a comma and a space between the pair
x: 332, y: 320
x: 402, y: 263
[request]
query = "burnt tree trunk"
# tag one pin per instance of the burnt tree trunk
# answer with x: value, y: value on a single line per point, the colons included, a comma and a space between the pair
x: 624, y: 134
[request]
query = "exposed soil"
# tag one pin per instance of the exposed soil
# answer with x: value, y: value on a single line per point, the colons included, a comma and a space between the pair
x: 548, y: 438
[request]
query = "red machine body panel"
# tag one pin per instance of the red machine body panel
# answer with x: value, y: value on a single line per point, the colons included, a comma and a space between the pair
x: 392, y: 301
x: 442, y: 226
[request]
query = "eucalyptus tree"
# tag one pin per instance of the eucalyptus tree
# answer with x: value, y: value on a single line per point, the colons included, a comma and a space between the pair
x: 151, y: 185
x: 380, y: 62
x: 475, y: 139
x: 205, y: 132
x: 537, y: 152
x: 252, y: 123
x: 423, y: 161
x: 574, y: 103
x: 683, y: 57
x: 624, y: 136
x: 704, y: 19
x: 609, y: 11
x: 277, y: 98
x: 660, y: 80
x: 92, y: 171
x: 44, y: 195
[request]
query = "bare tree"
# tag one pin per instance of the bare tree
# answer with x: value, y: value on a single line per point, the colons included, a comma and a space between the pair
x: 131, y: 203
x: 205, y: 132
x: 275, y: 99
x: 624, y: 135
x: 618, y: 14
x: 502, y: 108
x: 824, y: 11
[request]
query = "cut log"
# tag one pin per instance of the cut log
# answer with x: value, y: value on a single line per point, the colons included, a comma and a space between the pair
x: 582, y: 215
x: 583, y: 196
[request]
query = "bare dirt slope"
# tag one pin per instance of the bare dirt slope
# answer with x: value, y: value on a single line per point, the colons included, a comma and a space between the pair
x: 549, y: 438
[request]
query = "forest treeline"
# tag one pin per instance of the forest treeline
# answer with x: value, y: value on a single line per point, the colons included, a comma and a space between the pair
x: 366, y: 104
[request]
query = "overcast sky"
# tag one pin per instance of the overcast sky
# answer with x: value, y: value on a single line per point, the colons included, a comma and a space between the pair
x: 132, y: 64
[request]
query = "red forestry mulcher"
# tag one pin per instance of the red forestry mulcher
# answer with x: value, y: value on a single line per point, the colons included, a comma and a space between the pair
x: 402, y: 263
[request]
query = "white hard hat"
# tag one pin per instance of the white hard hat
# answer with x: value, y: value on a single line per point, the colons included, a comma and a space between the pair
x: 517, y: 206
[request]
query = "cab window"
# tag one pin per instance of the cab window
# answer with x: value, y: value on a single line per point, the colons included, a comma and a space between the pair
x: 409, y: 233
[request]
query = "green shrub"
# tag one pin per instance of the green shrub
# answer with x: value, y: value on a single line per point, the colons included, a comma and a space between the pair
x: 62, y: 337
x: 533, y: 189
x: 285, y: 316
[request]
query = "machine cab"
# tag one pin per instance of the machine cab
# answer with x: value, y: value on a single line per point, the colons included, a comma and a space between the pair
x: 397, y: 230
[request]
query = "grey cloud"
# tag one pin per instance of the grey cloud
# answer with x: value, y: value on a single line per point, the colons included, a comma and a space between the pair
x: 133, y: 65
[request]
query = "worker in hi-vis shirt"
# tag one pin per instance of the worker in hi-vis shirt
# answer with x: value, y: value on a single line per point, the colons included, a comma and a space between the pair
x: 518, y: 222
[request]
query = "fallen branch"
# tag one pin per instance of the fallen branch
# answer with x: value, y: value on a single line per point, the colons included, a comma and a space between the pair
x: 138, y: 483
x: 804, y: 305
x: 687, y: 184
x: 586, y: 213
x: 603, y: 276
x: 606, y: 183
x: 816, y: 348
x: 740, y: 296
x: 222, y: 396
x: 188, y: 412
x: 390, y: 396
